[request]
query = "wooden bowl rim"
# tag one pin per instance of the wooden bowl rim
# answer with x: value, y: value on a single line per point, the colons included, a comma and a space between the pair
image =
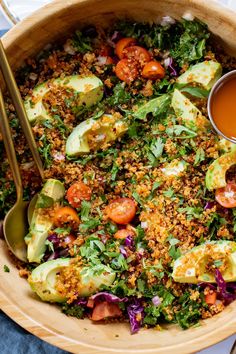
x: 11, y: 309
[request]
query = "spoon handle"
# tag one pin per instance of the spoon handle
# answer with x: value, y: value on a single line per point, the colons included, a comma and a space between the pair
x: 10, y: 150
x: 20, y: 110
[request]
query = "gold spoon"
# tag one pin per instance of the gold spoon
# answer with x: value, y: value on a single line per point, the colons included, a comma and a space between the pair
x: 15, y: 225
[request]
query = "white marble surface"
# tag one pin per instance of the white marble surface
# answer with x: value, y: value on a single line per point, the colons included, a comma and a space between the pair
x: 22, y: 8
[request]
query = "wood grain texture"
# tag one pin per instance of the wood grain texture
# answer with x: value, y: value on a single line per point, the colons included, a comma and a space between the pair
x: 44, y: 320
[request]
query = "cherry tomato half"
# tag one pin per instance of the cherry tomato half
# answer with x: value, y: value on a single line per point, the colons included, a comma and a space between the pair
x: 123, y: 233
x: 104, y: 310
x: 66, y: 215
x: 153, y: 70
x: 122, y: 44
x: 126, y: 70
x: 121, y: 210
x: 211, y: 298
x: 226, y: 196
x: 136, y: 53
x: 77, y: 192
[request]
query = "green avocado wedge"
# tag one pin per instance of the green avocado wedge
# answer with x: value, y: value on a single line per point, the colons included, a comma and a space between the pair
x: 43, y: 279
x: 215, y: 176
x: 93, y: 134
x: 87, y: 90
x: 193, y: 266
x: 41, y: 223
x: 189, y: 114
x: 204, y: 74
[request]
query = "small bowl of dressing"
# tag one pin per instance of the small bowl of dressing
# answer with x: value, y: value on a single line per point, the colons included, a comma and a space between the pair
x: 221, y: 106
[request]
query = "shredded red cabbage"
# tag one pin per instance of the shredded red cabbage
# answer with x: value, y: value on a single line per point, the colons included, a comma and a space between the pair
x: 80, y: 301
x: 209, y: 205
x: 104, y: 296
x: 204, y: 284
x: 222, y: 288
x: 129, y: 242
x: 55, y: 240
x: 136, y: 313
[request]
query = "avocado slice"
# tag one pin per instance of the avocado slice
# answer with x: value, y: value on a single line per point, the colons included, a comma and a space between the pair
x: 43, y: 279
x: 88, y: 89
x: 226, y: 145
x: 204, y: 74
x: 152, y: 106
x: 94, y: 134
x: 52, y: 192
x: 215, y: 176
x: 192, y: 266
x: 190, y: 115
x: 174, y: 168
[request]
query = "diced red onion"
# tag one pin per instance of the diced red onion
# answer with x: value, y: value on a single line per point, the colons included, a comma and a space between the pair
x: 156, y: 300
x: 58, y: 156
x: 114, y: 39
x: 169, y: 64
x: 33, y: 76
x: 68, y: 48
x: 123, y: 251
x: 144, y: 225
x: 101, y: 60
x: 188, y: 16
x: 167, y: 20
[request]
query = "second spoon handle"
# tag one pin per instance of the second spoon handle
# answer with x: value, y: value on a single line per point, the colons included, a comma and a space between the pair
x: 10, y: 150
x: 20, y: 110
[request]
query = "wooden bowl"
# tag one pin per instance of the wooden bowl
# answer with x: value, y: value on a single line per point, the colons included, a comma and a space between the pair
x: 45, y: 320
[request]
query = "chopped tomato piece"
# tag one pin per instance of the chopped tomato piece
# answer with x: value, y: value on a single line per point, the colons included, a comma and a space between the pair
x: 122, y: 44
x: 123, y: 233
x: 136, y: 53
x: 153, y: 70
x: 77, y: 192
x: 121, y: 210
x: 126, y: 70
x: 90, y: 303
x: 66, y: 215
x: 105, y: 310
x: 210, y: 298
x: 226, y: 196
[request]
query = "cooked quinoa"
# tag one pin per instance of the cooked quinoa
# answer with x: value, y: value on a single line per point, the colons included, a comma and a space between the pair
x: 172, y: 213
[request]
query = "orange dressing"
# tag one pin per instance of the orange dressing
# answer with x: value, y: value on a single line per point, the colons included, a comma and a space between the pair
x: 223, y: 108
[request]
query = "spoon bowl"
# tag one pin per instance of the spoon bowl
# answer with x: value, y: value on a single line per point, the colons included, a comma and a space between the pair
x: 15, y: 226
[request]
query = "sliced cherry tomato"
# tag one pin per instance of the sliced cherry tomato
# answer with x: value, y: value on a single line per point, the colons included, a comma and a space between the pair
x: 122, y: 44
x: 77, y: 192
x: 226, y: 196
x: 66, y: 215
x: 126, y: 70
x: 123, y: 233
x: 139, y: 54
x: 153, y: 70
x: 121, y: 210
x: 105, y: 310
x: 90, y: 303
x: 210, y: 298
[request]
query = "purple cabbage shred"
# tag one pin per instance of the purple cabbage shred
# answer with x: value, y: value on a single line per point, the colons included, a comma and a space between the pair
x: 129, y: 242
x: 136, y: 313
x: 222, y: 288
x: 105, y: 296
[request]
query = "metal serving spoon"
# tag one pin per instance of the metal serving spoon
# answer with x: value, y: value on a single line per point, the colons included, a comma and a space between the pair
x: 15, y: 225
